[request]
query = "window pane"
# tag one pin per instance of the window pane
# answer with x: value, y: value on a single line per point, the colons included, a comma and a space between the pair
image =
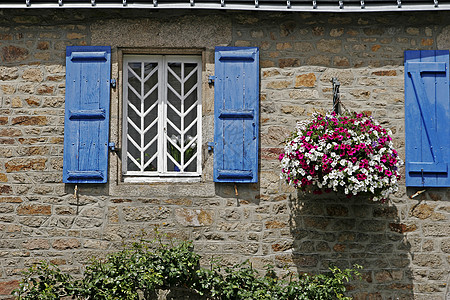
x: 134, y: 74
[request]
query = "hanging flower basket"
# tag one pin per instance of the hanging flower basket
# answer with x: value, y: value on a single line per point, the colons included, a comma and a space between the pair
x: 349, y: 153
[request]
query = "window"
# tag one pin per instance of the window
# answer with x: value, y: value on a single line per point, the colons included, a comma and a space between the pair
x: 161, y: 116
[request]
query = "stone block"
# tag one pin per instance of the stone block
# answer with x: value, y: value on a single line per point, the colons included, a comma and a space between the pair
x: 45, y: 89
x: 179, y: 201
x: 270, y: 73
x: 274, y: 224
x: 271, y: 153
x: 275, y: 136
x: 8, y: 73
x: 287, y: 28
x: 6, y: 287
x: 337, y: 210
x: 402, y: 228
x: 34, y: 209
x: 422, y: 211
x: 288, y: 62
x: 385, y: 73
x: 194, y: 217
x: 279, y: 84
x: 303, y: 94
x: 64, y: 244
x: 13, y: 54
x: 305, y: 47
x: 5, y: 189
x: 142, y: 214
x: 30, y: 120
x: 43, y: 45
x: 36, y: 244
x: 329, y: 46
x: 33, y: 74
x: 11, y: 200
x: 305, y: 80
x: 25, y: 164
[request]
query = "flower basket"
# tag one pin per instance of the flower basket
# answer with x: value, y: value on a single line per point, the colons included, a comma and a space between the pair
x: 349, y: 153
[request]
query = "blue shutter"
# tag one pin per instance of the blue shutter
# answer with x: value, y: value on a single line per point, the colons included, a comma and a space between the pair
x: 86, y: 121
x: 236, y: 114
x: 427, y: 118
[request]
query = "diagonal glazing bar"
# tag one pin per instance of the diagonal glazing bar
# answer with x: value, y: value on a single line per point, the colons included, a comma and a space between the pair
x: 173, y: 126
x: 190, y: 74
x: 151, y: 73
x: 134, y: 108
x: 174, y: 91
x: 134, y: 125
x: 133, y: 160
x: 134, y: 143
x: 150, y: 143
x: 150, y: 126
x: 190, y: 108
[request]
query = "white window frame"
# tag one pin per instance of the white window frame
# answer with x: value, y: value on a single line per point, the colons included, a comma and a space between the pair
x: 161, y: 174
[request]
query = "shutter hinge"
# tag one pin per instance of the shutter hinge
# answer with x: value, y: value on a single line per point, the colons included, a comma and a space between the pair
x: 112, y: 146
x: 113, y: 83
x: 211, y: 79
x: 210, y: 146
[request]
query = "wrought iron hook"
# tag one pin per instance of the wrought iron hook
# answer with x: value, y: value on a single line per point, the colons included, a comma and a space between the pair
x: 336, y: 96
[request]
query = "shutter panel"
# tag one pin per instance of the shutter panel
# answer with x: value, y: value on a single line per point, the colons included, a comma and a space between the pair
x: 427, y: 118
x: 86, y: 121
x: 236, y: 114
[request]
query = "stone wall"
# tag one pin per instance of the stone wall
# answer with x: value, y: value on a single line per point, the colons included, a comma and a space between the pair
x: 404, y: 245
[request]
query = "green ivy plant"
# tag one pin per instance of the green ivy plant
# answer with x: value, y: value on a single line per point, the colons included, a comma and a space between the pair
x: 137, y: 272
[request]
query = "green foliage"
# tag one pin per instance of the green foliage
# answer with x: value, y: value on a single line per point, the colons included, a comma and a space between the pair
x: 242, y: 282
x: 44, y: 281
x: 136, y: 273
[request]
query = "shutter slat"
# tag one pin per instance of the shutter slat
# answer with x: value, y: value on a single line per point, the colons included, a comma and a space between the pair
x: 86, y: 127
x: 427, y: 98
x: 236, y: 111
x: 87, y: 114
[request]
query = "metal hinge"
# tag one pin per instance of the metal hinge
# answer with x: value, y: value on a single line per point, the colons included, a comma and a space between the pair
x: 112, y: 146
x: 113, y: 83
x: 210, y: 146
x: 211, y: 79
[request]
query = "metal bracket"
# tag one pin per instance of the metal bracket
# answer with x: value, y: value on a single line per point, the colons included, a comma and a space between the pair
x: 341, y: 4
x: 210, y: 146
x: 155, y: 3
x: 60, y: 2
x: 256, y: 3
x: 28, y: 2
x: 192, y: 2
x: 336, y: 96
x: 314, y: 4
x: 124, y: 2
x: 363, y: 5
x: 399, y: 3
x: 436, y: 3
x: 113, y: 83
x: 211, y: 79
x: 222, y: 3
x: 288, y: 4
x: 93, y: 2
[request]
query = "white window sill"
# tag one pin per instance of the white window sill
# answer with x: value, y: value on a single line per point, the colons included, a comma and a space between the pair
x: 143, y: 179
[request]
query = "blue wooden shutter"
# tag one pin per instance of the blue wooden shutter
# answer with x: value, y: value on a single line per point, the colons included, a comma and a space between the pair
x: 236, y: 114
x: 427, y: 118
x: 86, y: 122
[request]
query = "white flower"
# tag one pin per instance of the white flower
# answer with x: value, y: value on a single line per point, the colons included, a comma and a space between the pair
x: 176, y: 139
